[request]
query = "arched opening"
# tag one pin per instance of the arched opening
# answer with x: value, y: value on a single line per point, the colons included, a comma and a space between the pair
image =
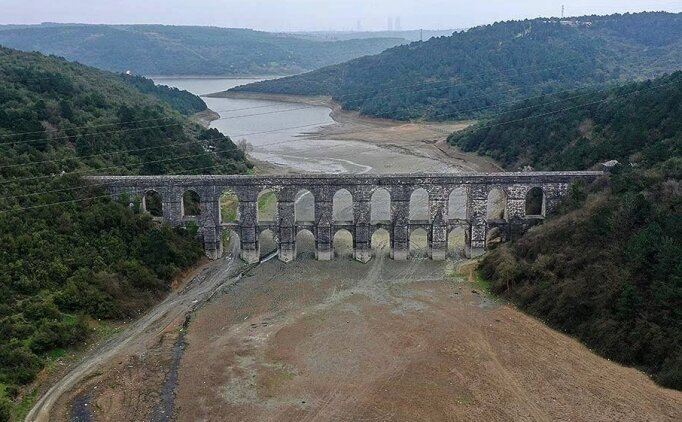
x: 380, y: 206
x: 267, y: 243
x: 419, y: 243
x: 304, y: 206
x: 381, y: 242
x: 267, y: 206
x: 231, y: 243
x: 457, y: 242
x: 419, y: 205
x: 343, y: 244
x: 497, y: 205
x: 152, y: 203
x: 342, y: 206
x: 191, y: 204
x: 535, y: 202
x: 457, y: 204
x: 305, y: 244
x: 229, y: 207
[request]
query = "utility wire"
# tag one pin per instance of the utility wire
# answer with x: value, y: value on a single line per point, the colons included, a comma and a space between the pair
x: 290, y: 141
x: 257, y: 114
x: 481, y: 127
x: 384, y: 94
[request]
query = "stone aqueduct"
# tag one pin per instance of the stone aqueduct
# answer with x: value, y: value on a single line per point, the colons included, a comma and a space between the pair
x: 477, y: 186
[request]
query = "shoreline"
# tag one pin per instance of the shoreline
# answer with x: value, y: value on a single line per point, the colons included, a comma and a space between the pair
x: 204, y: 118
x: 154, y: 77
x: 421, y: 139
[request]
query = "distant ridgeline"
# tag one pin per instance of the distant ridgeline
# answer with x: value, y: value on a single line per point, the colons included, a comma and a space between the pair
x: 485, y: 69
x: 609, y: 270
x: 188, y: 50
x: 69, y: 253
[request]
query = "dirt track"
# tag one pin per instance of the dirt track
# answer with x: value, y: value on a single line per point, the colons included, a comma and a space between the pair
x: 142, y: 336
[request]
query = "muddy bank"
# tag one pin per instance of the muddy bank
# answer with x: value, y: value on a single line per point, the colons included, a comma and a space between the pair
x: 205, y: 117
x: 418, y: 139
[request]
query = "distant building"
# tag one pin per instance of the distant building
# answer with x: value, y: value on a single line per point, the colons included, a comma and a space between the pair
x: 390, y: 23
x: 609, y: 165
x: 398, y: 26
x: 575, y: 23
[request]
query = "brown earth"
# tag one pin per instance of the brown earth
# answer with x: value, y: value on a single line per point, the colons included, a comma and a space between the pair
x: 134, y: 363
x: 343, y: 341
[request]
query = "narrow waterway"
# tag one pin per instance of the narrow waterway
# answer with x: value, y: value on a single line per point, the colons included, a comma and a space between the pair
x: 277, y: 133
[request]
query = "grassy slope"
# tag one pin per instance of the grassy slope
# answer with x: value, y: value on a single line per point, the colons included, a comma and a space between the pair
x: 483, y: 70
x: 609, y: 269
x: 186, y: 50
x: 69, y: 252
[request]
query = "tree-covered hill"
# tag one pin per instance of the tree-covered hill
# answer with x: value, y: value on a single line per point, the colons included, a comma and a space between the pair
x: 181, y: 101
x: 188, y: 50
x: 69, y: 253
x: 485, y: 69
x: 609, y: 269
x: 637, y: 123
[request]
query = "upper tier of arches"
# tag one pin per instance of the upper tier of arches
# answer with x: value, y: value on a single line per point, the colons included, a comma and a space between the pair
x: 421, y: 204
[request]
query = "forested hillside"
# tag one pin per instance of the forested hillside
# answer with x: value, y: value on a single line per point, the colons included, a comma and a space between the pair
x: 485, y: 69
x: 69, y: 253
x: 635, y: 123
x: 609, y: 269
x: 187, y: 50
x: 181, y: 101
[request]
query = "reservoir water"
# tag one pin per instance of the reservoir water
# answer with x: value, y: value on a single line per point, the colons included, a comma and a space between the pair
x: 277, y: 133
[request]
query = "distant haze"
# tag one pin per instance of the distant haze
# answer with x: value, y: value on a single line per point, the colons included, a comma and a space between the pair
x: 313, y: 15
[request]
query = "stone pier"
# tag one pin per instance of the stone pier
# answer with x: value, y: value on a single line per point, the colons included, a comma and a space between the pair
x: 513, y: 188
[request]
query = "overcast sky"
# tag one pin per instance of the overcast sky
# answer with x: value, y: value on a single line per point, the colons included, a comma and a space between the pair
x: 293, y: 15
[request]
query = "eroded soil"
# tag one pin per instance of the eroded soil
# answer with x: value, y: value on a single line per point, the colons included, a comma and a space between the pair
x: 343, y: 341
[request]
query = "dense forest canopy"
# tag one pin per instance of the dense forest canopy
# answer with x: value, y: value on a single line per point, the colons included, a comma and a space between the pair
x: 638, y: 123
x: 188, y: 50
x: 609, y: 269
x: 485, y: 69
x: 181, y: 101
x: 70, y: 253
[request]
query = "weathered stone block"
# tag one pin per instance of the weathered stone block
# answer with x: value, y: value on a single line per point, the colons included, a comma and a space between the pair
x: 323, y: 187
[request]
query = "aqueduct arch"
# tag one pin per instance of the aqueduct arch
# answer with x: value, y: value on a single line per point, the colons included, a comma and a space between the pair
x: 359, y: 220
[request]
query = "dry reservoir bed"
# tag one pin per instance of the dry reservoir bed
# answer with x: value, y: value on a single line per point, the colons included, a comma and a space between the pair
x: 343, y: 341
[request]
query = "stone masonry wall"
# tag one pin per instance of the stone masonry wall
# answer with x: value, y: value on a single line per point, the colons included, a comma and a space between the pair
x: 515, y: 188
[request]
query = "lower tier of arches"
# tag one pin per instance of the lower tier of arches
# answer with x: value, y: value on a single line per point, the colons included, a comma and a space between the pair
x: 362, y: 243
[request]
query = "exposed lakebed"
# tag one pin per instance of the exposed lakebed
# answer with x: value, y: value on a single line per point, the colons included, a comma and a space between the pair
x: 281, y: 134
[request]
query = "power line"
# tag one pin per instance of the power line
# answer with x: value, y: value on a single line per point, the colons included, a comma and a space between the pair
x: 287, y: 141
x: 316, y: 124
x: 482, y: 127
x: 570, y: 108
x: 240, y: 116
x: 356, y: 93
x: 195, y: 141
x: 165, y: 160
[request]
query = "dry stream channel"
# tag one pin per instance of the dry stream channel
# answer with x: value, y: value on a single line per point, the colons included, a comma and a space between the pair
x: 343, y: 341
